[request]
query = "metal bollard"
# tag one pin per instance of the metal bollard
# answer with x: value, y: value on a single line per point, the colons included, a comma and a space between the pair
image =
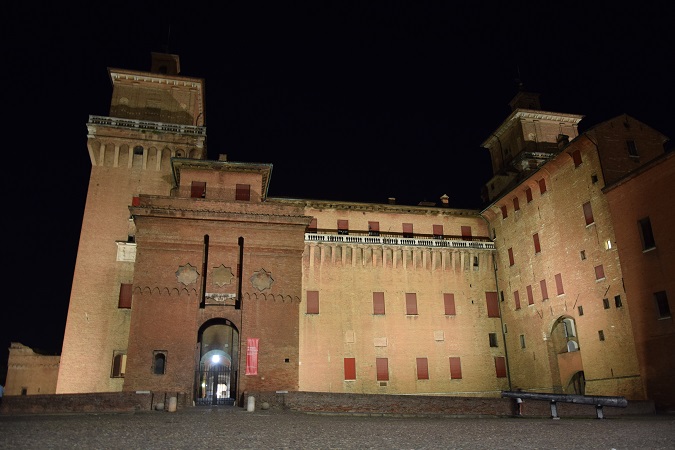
x: 250, y: 403
x: 172, y: 404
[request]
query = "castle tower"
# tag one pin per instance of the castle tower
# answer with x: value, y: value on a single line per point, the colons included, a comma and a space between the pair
x: 154, y: 116
x: 525, y: 140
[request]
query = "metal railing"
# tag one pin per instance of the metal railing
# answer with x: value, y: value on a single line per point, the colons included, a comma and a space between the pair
x: 147, y: 125
x: 367, y: 238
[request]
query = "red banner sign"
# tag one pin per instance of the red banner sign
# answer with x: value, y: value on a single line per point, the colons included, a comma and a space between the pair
x: 252, y: 356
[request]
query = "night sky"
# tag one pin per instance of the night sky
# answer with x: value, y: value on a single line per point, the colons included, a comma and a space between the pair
x: 349, y: 101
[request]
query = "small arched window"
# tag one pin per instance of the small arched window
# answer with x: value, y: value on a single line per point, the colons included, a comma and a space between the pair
x: 159, y: 363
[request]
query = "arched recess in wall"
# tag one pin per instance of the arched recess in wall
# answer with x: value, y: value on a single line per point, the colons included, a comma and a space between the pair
x: 565, y: 354
x: 152, y: 159
x: 123, y: 160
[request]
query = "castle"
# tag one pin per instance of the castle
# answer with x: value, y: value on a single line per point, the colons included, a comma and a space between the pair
x: 190, y: 279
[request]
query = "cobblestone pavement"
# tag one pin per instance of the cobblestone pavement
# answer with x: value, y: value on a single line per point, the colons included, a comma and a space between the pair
x: 231, y: 427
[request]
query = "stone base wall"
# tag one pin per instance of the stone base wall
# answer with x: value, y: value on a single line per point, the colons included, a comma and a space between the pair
x: 376, y: 404
x: 91, y: 403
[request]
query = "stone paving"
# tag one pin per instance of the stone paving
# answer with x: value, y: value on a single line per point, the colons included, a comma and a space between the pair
x: 233, y: 427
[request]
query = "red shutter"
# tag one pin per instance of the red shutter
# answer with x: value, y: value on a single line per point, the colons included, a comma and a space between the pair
x: 125, y: 296
x: 382, y: 365
x: 455, y: 368
x: 343, y: 225
x: 544, y: 289
x: 374, y: 228
x: 243, y: 192
x: 136, y: 201
x: 438, y: 230
x: 492, y: 301
x: 537, y: 246
x: 516, y: 204
x: 530, y: 297
x: 411, y: 303
x: 466, y: 233
x: 312, y: 302
x: 542, y: 185
x: 500, y: 366
x: 576, y: 157
x: 511, y: 261
x: 505, y: 213
x: 422, y: 369
x: 528, y: 195
x: 407, y: 230
x: 350, y: 368
x: 378, y: 303
x: 588, y: 213
x: 198, y: 189
x: 516, y: 297
x: 559, y: 284
x: 599, y: 272
x: 449, y: 301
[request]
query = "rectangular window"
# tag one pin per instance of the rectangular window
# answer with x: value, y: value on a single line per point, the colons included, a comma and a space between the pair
x: 646, y: 234
x: 576, y: 157
x: 407, y: 230
x: 599, y: 272
x: 198, y: 189
x: 119, y: 364
x: 516, y: 297
x: 243, y: 193
x: 493, y: 339
x: 438, y: 231
x: 382, y: 365
x: 662, y: 307
x: 378, y: 303
x: 559, y: 284
x: 582, y: 254
x: 605, y: 303
x: 312, y: 302
x: 580, y: 310
x: 343, y: 226
x: 601, y: 335
x: 537, y: 245
x: 530, y: 297
x: 516, y: 204
x: 511, y: 260
x: 350, y: 368
x: 522, y: 341
x: 492, y: 304
x: 542, y: 186
x: 588, y: 213
x: 311, y: 228
x: 422, y: 369
x: 617, y: 301
x: 500, y: 366
x: 594, y: 178
x: 544, y: 290
x: 455, y: 368
x: 528, y: 195
x: 466, y: 233
x: 505, y: 213
x: 411, y: 304
x: 373, y: 228
x: 125, y: 296
x: 449, y: 303
x: 632, y: 149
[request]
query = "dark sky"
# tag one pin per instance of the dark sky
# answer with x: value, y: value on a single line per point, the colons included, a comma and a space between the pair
x: 356, y: 101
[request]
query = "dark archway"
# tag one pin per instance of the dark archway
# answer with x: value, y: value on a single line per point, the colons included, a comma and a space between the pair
x: 216, y: 374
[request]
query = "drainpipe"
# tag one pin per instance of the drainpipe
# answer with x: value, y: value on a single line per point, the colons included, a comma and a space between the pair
x: 501, y: 316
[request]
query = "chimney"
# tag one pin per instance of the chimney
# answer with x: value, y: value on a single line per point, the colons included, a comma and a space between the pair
x: 563, y: 140
x: 222, y: 157
x: 392, y: 200
x: 444, y: 200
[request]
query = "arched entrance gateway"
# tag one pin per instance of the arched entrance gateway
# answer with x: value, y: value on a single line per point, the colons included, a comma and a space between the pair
x: 216, y: 374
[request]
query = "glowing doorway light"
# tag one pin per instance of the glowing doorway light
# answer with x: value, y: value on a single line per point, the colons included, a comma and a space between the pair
x: 215, y: 359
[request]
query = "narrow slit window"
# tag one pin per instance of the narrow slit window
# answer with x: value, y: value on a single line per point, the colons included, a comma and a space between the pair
x: 312, y: 302
x: 646, y: 234
x: 492, y: 338
x: 588, y: 213
x: 576, y: 157
x: 505, y: 213
x: 542, y: 186
x: 662, y: 306
x: 411, y: 304
x: 511, y: 260
x: 378, y: 303
x: 617, y: 301
x: 530, y: 296
x: 516, y: 298
x: 422, y: 369
x: 516, y: 204
x: 559, y: 284
x: 537, y: 245
x: 544, y: 290
x: 449, y: 304
x: 528, y: 195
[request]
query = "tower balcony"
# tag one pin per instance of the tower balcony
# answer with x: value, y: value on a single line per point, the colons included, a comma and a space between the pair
x: 146, y: 125
x: 365, y: 238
